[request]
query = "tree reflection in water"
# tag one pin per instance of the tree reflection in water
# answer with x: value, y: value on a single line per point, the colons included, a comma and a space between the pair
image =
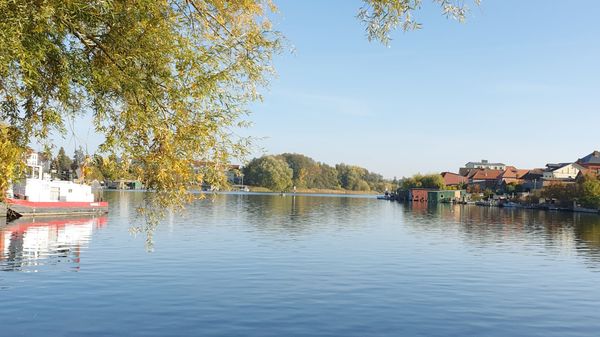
x: 503, y: 227
x: 301, y: 215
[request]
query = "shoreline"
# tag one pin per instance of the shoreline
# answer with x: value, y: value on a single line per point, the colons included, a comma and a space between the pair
x: 312, y: 191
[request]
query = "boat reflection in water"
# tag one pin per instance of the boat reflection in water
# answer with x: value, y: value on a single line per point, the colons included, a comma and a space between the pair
x: 30, y: 244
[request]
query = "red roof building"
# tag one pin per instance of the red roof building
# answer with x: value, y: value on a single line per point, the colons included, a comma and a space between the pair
x: 591, y: 161
x: 485, y: 178
x: 512, y: 175
x: 453, y: 179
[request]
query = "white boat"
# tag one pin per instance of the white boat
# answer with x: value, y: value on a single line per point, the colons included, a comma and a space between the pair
x: 40, y: 195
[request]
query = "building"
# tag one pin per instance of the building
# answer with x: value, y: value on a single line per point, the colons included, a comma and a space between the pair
x: 37, y: 165
x: 418, y: 194
x: 484, y: 164
x: 445, y: 196
x: 533, y: 180
x: 562, y: 171
x: 484, y: 178
x: 587, y: 172
x: 591, y: 161
x: 454, y: 179
x: 512, y: 175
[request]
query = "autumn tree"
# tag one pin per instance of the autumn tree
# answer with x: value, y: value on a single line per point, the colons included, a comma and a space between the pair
x: 10, y: 158
x: 167, y: 82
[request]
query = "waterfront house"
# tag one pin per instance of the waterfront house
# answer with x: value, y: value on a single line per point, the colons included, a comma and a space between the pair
x: 484, y: 178
x: 562, y: 171
x: 445, y: 196
x: 454, y: 179
x: 418, y: 194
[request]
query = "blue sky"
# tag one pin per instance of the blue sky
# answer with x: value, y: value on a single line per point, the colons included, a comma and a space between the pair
x: 517, y: 83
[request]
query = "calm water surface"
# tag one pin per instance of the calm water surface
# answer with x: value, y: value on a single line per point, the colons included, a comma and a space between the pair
x: 264, y: 265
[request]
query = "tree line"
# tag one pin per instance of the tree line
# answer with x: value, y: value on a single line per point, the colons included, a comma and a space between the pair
x: 288, y: 170
x: 433, y: 181
x: 585, y: 192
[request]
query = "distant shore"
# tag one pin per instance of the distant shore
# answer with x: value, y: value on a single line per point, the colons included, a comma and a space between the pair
x: 313, y: 191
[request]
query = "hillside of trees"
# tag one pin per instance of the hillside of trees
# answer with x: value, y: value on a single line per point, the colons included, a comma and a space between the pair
x: 285, y: 171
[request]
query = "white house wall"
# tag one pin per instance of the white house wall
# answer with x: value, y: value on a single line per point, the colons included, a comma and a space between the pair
x: 565, y: 172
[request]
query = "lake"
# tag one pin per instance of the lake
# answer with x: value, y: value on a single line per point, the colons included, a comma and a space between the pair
x: 270, y: 265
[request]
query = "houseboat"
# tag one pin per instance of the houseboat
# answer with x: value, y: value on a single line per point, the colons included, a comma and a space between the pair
x: 39, y: 195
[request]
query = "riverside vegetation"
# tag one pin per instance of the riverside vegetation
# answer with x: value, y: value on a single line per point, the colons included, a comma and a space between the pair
x: 281, y: 172
x: 288, y: 170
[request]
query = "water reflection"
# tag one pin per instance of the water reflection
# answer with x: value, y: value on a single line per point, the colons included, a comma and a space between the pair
x: 296, y: 216
x: 31, y: 244
x: 480, y: 227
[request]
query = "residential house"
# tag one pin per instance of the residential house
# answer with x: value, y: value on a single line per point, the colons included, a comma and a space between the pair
x: 562, y: 171
x: 512, y: 175
x: 484, y: 178
x: 453, y: 179
x: 533, y: 180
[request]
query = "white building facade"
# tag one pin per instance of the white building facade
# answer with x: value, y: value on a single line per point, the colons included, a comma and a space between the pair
x: 562, y: 171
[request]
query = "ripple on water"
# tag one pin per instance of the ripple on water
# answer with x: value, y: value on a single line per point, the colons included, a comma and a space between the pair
x: 257, y: 265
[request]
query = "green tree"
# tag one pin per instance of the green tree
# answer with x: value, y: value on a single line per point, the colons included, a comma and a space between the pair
x: 352, y: 177
x: 433, y: 181
x: 62, y: 164
x: 270, y: 172
x: 78, y: 159
x: 302, y: 166
x: 590, y: 191
x: 327, y: 177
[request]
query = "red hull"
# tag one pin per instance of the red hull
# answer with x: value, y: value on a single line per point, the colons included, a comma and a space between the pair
x: 20, y: 207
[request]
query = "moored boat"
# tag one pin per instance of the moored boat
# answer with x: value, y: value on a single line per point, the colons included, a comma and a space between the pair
x: 18, y: 207
x: 39, y: 195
